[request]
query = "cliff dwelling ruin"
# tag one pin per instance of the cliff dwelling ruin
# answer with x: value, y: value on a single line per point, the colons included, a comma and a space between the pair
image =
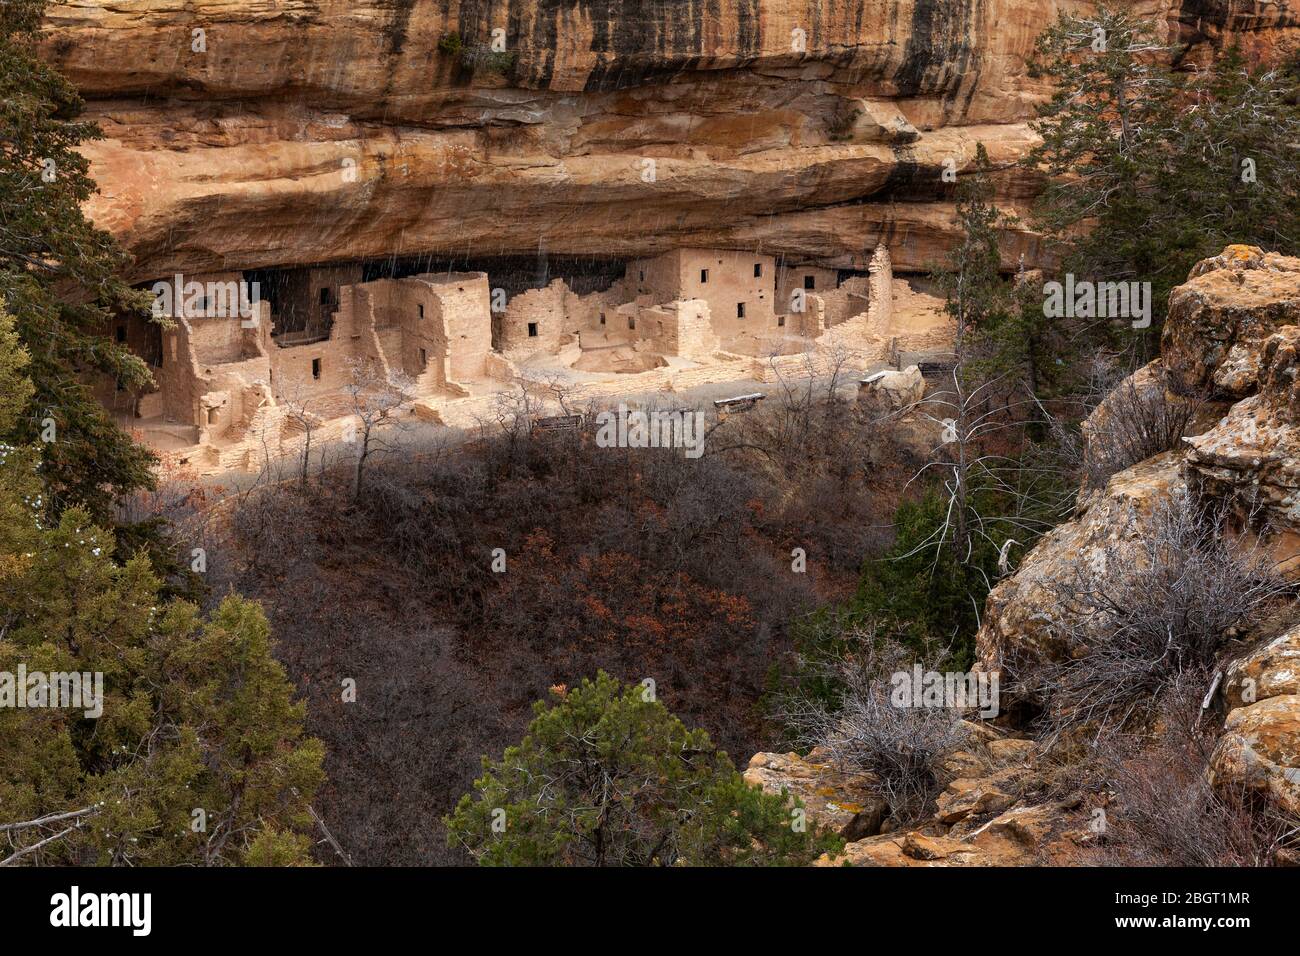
x: 233, y: 388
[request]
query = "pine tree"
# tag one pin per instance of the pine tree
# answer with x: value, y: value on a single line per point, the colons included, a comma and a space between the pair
x: 60, y: 277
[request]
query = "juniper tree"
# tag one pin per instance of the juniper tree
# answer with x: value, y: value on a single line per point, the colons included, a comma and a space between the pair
x: 1236, y: 181
x: 928, y: 589
x: 198, y: 754
x: 607, y: 777
x: 990, y: 358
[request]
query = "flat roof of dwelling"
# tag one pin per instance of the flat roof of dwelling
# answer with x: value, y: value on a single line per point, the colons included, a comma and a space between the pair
x: 444, y: 278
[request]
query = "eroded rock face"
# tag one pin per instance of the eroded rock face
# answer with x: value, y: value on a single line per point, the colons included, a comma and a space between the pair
x: 1233, y: 332
x: 846, y: 803
x: 1228, y: 333
x: 1219, y: 320
x: 1272, y: 669
x: 1260, y: 750
x: 1251, y: 458
x: 1024, y: 619
x: 1260, y: 746
x: 318, y: 130
x: 992, y: 811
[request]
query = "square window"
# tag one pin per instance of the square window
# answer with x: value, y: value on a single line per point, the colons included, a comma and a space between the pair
x: 740, y: 310
x: 532, y: 330
x: 704, y: 275
x: 810, y: 282
x: 315, y: 368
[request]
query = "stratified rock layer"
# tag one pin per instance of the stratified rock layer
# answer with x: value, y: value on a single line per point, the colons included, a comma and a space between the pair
x: 315, y: 130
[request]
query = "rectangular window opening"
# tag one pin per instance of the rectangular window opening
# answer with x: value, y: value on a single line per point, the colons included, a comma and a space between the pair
x: 315, y: 368
x: 532, y: 330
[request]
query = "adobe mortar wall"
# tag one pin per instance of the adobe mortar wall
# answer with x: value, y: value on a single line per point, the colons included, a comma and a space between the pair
x: 547, y: 309
x: 790, y: 279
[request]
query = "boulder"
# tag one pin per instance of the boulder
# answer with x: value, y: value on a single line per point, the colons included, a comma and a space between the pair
x: 1270, y: 669
x: 1219, y: 319
x: 1260, y: 751
x: 965, y: 797
x: 1024, y: 619
x: 1251, y: 458
x: 888, y: 392
x: 843, y: 802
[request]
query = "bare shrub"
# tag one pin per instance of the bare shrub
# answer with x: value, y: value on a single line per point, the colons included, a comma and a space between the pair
x: 899, y: 748
x: 1135, y: 422
x: 640, y: 562
x: 1142, y: 614
x: 376, y: 397
x: 1164, y: 811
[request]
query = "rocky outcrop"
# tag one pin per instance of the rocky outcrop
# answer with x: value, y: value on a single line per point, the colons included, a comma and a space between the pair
x: 993, y: 810
x: 1272, y: 669
x: 1260, y: 746
x: 1260, y: 750
x: 1218, y: 321
x: 1232, y: 333
x: 1031, y: 835
x: 241, y: 135
x: 1251, y: 458
x: 1024, y: 620
x: 846, y: 803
